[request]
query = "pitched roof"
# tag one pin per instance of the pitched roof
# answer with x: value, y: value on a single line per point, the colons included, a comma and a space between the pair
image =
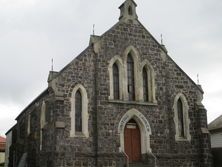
x: 216, y: 124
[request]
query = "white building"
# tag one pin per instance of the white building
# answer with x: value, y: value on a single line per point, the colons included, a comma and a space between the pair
x: 2, y: 151
x: 215, y: 128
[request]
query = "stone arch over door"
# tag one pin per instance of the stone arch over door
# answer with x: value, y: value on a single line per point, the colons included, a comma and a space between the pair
x: 144, y: 127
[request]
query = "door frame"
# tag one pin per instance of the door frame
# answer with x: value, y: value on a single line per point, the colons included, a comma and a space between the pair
x: 144, y: 126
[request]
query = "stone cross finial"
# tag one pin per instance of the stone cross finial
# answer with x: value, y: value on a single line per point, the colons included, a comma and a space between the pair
x: 128, y: 11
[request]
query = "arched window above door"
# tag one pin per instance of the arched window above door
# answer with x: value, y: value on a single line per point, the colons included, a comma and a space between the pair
x: 148, y: 82
x: 130, y: 77
x: 115, y: 69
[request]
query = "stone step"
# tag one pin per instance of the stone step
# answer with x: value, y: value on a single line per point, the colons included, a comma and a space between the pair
x: 139, y: 164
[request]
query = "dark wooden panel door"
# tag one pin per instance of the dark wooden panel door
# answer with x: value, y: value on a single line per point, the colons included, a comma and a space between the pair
x: 132, y: 141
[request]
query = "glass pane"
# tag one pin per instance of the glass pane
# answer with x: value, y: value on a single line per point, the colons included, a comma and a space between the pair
x: 116, y: 81
x: 130, y: 77
x: 180, y: 118
x: 145, y: 85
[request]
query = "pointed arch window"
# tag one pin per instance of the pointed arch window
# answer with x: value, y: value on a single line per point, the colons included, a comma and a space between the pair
x: 78, y: 113
x: 148, y: 82
x: 115, y: 78
x: 145, y: 85
x: 130, y: 77
x: 181, y: 118
x: 130, y: 11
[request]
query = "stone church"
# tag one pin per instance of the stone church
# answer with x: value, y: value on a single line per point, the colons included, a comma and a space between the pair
x: 123, y: 102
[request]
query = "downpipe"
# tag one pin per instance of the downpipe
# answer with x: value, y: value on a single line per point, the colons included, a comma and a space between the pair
x: 155, y: 159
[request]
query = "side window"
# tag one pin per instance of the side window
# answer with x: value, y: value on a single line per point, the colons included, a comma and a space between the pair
x: 116, y: 89
x: 79, y: 112
x: 181, y: 118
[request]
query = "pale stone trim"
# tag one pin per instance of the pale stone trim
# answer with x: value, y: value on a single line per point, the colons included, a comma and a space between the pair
x: 135, y: 56
x: 185, y: 117
x: 151, y: 81
x: 144, y: 126
x: 42, y: 122
x: 85, y: 115
x: 43, y: 113
x: 118, y: 61
x: 133, y: 102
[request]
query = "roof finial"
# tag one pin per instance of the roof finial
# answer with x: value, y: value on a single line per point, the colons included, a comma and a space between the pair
x: 93, y: 29
x: 52, y: 65
x: 198, y: 81
x: 161, y: 36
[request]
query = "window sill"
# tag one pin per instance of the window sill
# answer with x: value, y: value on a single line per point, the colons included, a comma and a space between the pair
x: 180, y: 139
x: 79, y: 135
x: 133, y: 102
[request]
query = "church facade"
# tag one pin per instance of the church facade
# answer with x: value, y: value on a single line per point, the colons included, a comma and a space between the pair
x: 122, y: 102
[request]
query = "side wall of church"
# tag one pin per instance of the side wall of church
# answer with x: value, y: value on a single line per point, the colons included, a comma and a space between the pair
x: 71, y: 149
x: 26, y: 134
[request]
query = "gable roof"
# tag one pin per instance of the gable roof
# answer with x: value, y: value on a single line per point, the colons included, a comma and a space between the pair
x: 216, y: 124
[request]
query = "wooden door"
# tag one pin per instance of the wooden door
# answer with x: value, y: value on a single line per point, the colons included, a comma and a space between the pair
x: 132, y: 141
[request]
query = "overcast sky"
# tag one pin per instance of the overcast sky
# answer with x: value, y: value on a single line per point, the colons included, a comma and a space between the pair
x: 32, y: 32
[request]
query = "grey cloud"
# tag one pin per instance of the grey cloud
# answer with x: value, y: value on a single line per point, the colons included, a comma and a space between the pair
x: 32, y: 32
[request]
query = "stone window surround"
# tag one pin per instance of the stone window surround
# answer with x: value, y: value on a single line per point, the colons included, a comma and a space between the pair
x: 85, y: 115
x: 144, y: 126
x: 151, y: 81
x: 43, y: 115
x: 187, y: 136
x: 138, y: 67
x: 118, y: 61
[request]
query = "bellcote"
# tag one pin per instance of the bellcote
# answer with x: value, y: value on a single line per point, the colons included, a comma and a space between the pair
x: 128, y: 11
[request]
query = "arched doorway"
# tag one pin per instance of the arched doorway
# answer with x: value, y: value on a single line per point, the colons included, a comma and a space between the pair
x: 132, y: 141
x: 143, y: 127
